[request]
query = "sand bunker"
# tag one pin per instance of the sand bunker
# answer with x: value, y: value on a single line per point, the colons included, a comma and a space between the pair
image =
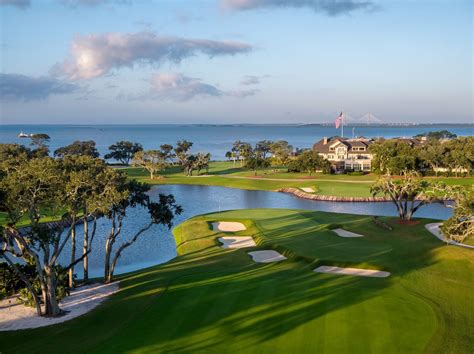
x: 344, y: 233
x: 237, y: 241
x: 228, y: 226
x: 15, y: 316
x: 434, y: 228
x: 352, y: 271
x: 307, y: 189
x: 266, y: 256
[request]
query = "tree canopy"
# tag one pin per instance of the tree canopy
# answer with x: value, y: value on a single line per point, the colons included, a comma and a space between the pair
x: 123, y: 151
x: 78, y: 148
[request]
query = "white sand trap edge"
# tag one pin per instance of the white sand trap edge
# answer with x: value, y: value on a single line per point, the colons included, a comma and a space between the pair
x: 228, y: 226
x: 266, y: 256
x: 345, y: 233
x: 434, y: 228
x: 16, y: 316
x: 352, y: 271
x: 307, y: 189
x: 237, y: 241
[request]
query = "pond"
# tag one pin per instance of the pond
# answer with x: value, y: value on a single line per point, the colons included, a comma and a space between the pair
x: 157, y: 245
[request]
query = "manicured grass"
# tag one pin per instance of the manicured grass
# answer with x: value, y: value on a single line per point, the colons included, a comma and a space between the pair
x: 214, y: 300
x: 225, y: 174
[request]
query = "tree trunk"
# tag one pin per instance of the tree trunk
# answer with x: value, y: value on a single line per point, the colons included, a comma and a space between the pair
x: 73, y: 254
x: 108, y: 252
x: 121, y: 248
x: 152, y: 175
x: 50, y: 301
x: 28, y: 284
x: 85, y: 247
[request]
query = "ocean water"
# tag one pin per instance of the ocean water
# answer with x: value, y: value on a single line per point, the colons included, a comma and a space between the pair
x: 216, y: 139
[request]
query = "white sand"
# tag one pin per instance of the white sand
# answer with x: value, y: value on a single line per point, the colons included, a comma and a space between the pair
x: 307, y: 189
x: 434, y: 228
x: 228, y: 226
x: 266, y: 256
x: 352, y: 271
x: 344, y: 233
x: 15, y: 316
x: 237, y: 241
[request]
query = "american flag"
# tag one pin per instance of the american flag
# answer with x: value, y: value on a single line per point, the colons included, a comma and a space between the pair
x: 338, y: 121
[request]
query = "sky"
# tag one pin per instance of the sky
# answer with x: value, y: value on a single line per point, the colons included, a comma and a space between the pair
x: 235, y: 61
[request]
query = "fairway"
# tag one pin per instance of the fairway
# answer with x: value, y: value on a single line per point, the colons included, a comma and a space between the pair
x: 215, y: 300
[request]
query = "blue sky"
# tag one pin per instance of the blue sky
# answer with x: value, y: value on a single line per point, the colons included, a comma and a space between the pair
x: 246, y: 61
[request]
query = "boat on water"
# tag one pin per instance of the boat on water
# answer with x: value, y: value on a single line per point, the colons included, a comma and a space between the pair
x: 23, y: 135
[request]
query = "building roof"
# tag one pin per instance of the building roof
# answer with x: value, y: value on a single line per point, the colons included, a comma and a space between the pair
x: 321, y: 147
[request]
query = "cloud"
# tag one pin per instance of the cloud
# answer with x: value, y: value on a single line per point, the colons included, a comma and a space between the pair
x: 243, y: 93
x: 16, y: 87
x: 22, y: 4
x: 252, y: 79
x: 178, y: 87
x: 91, y: 3
x: 96, y: 55
x: 329, y: 7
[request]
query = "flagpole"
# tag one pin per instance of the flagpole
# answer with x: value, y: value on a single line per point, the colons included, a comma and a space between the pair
x: 342, y: 125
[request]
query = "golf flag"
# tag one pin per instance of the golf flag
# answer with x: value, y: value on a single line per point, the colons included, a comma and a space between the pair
x: 338, y: 121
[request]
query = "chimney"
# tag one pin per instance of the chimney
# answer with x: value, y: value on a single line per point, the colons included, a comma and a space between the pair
x: 325, y: 140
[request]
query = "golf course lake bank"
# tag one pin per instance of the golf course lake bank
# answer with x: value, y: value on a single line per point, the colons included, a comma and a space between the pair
x: 158, y: 246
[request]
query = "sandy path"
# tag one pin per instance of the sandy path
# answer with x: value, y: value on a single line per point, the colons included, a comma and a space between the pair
x: 345, y: 233
x: 435, y: 230
x: 352, y: 271
x: 307, y: 189
x: 267, y: 256
x: 237, y: 241
x: 15, y: 316
x: 228, y: 226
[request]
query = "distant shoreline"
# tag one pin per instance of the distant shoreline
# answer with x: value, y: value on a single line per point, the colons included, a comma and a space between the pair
x: 395, y: 125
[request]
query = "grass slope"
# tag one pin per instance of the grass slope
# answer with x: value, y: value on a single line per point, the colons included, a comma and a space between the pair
x: 214, y: 300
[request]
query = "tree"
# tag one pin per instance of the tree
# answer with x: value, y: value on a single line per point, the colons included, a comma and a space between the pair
x: 460, y: 155
x: 393, y: 156
x: 440, y: 134
x: 281, y: 152
x: 13, y: 151
x: 202, y: 161
x: 310, y: 161
x: 90, y: 190
x: 167, y: 151
x: 39, y: 140
x: 264, y: 147
x: 256, y: 160
x: 433, y: 154
x: 460, y: 225
x: 153, y: 161
x: 78, y: 148
x: 28, y: 188
x: 182, y: 151
x: 242, y: 150
x: 161, y: 212
x: 408, y: 194
x: 123, y: 151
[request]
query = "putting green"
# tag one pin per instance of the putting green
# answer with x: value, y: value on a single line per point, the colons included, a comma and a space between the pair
x: 215, y: 300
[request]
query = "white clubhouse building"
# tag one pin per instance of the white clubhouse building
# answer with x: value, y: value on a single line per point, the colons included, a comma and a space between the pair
x: 346, y: 154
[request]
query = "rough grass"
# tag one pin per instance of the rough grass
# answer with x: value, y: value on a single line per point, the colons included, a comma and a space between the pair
x: 214, y: 300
